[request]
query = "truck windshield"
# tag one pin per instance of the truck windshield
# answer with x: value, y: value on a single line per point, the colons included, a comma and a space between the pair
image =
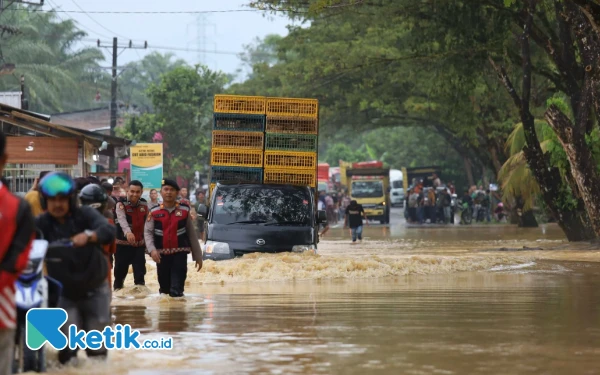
x: 367, y: 189
x: 262, y: 205
x: 397, y: 184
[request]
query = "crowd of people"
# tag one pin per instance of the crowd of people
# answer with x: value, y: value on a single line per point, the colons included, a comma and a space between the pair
x: 439, y: 204
x: 334, y: 204
x: 97, y: 230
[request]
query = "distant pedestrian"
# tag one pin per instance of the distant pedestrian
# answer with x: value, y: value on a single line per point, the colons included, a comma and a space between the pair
x: 354, y: 219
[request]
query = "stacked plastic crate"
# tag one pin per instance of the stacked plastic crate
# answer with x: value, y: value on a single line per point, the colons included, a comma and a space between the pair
x: 237, y: 151
x: 291, y: 140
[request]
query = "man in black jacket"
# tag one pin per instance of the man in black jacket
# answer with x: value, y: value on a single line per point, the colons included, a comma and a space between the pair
x: 87, y: 302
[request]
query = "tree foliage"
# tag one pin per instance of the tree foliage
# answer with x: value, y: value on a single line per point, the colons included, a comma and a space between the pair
x: 387, y: 63
x: 57, y: 76
x: 182, y: 101
x: 137, y: 76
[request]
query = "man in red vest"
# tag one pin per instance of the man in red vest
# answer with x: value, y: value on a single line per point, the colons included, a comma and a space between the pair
x: 18, y: 232
x: 131, y: 216
x: 170, y: 237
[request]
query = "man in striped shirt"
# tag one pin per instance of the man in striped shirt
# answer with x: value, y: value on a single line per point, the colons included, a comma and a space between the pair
x: 18, y: 228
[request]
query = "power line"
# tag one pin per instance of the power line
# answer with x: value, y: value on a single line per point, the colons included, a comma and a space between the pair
x: 182, y: 49
x: 78, y: 23
x: 155, y: 12
x: 193, y: 50
x: 98, y: 23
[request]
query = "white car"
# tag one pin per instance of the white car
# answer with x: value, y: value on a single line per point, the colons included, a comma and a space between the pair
x: 397, y: 188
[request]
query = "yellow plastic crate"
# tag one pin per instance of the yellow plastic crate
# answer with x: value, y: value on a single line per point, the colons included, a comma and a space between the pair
x: 291, y: 107
x: 237, y: 140
x: 236, y: 158
x: 240, y: 104
x: 291, y: 177
x: 293, y: 125
x: 293, y: 160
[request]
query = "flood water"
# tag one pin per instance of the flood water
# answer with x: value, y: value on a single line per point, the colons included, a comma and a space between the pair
x: 459, y: 300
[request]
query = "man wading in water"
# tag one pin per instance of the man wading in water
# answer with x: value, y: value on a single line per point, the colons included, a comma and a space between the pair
x: 354, y: 218
x: 170, y: 236
x: 131, y: 217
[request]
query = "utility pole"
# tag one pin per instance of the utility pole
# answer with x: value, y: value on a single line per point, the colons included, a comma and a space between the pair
x: 113, y: 89
x: 24, y: 102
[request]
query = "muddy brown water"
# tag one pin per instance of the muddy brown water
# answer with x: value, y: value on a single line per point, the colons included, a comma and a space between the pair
x: 459, y: 300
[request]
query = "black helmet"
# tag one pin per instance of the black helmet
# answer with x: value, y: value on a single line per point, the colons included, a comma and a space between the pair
x: 94, y: 195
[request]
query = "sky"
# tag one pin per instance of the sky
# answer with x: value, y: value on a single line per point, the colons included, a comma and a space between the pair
x: 219, y: 35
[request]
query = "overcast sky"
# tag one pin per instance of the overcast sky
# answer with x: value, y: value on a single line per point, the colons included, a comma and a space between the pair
x: 218, y: 34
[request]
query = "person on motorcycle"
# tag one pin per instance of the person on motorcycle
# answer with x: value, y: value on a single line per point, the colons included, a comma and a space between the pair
x: 18, y: 233
x: 96, y: 197
x: 82, y: 267
x: 467, y: 208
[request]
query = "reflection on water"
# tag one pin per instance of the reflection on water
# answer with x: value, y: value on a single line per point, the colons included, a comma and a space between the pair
x: 428, y: 303
x: 475, y: 322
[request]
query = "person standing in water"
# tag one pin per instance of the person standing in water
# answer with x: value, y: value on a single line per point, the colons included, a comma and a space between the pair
x: 130, y: 221
x: 354, y: 217
x: 170, y: 235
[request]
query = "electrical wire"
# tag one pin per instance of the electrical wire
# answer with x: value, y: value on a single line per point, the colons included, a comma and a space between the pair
x: 192, y: 50
x: 98, y: 23
x: 77, y: 22
x: 156, y: 12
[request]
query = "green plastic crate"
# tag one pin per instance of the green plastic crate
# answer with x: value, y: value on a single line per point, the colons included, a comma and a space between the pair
x: 291, y: 142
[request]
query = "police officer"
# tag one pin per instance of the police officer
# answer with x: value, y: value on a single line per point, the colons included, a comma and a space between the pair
x: 131, y: 216
x: 170, y: 236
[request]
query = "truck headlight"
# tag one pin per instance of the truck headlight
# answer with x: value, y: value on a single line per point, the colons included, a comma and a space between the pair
x: 303, y: 248
x: 212, y: 247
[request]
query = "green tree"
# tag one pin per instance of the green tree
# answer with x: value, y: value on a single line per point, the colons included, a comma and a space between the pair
x: 183, y: 100
x: 137, y: 76
x: 58, y: 77
x: 402, y: 62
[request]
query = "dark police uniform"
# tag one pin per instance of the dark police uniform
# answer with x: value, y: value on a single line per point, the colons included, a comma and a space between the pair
x: 171, y: 232
x: 130, y: 218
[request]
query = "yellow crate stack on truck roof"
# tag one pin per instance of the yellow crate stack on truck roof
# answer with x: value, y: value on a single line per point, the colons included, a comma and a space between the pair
x: 258, y: 139
x: 263, y: 194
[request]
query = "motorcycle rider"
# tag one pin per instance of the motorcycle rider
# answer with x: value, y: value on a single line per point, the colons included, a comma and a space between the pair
x: 86, y: 293
x: 170, y: 236
x: 18, y: 233
x: 131, y: 216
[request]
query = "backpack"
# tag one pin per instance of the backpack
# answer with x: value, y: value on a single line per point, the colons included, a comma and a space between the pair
x: 79, y: 270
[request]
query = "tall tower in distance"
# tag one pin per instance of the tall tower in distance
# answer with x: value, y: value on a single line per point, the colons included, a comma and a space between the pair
x: 201, y: 35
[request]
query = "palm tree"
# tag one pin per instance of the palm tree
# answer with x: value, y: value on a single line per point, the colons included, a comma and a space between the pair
x: 58, y: 78
x: 517, y: 181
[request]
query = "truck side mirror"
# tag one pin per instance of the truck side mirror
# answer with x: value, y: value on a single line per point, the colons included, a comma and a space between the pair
x: 202, y: 210
x: 321, y: 217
